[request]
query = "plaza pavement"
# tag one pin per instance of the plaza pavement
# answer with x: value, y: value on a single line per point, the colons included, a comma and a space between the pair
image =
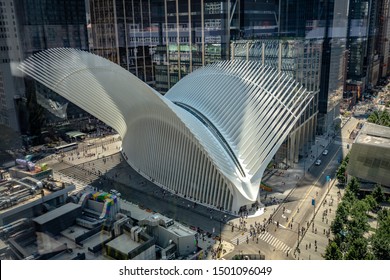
x: 108, y: 162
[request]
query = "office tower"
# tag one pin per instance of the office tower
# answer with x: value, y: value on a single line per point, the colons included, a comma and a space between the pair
x: 29, y: 27
x: 384, y: 38
x: 301, y: 60
x: 161, y: 41
x: 378, y: 43
x: 11, y: 87
x: 45, y: 25
x: 358, y: 39
x: 121, y: 31
x: 257, y: 19
x: 334, y: 14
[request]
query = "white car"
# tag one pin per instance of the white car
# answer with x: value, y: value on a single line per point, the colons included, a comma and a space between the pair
x: 318, y: 162
x: 325, y: 152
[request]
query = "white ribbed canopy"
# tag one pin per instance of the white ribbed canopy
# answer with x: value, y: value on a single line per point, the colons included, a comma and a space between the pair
x: 210, y: 138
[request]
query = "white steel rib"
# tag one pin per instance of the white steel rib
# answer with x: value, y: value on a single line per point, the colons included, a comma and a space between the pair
x: 209, y: 138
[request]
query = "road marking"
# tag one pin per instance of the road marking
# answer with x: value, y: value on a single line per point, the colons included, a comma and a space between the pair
x: 274, y: 242
x: 275, y: 222
x: 311, y: 188
x: 266, y: 237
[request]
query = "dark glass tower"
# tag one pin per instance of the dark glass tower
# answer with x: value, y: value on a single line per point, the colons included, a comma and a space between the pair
x: 49, y: 24
x: 167, y: 39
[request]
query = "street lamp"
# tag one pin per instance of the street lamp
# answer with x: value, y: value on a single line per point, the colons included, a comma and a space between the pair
x: 298, y: 231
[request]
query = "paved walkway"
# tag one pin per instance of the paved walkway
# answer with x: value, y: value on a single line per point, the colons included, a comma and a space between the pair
x: 312, y: 246
x: 108, y: 162
x: 283, y: 181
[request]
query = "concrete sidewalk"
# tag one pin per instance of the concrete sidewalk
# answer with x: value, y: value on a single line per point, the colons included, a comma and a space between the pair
x: 313, y: 244
x: 283, y: 181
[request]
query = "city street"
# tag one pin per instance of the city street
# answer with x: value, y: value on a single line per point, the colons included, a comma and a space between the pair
x: 274, y: 234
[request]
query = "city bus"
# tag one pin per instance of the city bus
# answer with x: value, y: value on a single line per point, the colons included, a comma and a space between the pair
x: 66, y: 148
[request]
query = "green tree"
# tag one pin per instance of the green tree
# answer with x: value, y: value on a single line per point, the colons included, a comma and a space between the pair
x: 380, y: 241
x: 341, y: 172
x: 337, y: 226
x: 342, y: 211
x: 374, y: 117
x: 357, y: 223
x: 358, y: 250
x: 371, y: 202
x: 349, y: 197
x: 385, y: 118
x: 382, y: 215
x: 333, y: 252
x: 380, y: 117
x: 354, y: 186
x: 378, y: 194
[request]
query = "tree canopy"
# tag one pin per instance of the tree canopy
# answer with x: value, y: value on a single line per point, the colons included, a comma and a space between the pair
x: 380, y: 117
x: 350, y: 227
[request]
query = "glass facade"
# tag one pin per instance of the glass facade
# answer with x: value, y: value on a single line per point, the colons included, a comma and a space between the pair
x: 160, y: 41
x: 300, y: 59
x: 51, y: 24
x: 48, y: 24
x: 357, y: 39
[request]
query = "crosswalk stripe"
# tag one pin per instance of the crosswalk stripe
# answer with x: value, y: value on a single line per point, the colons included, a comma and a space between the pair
x: 266, y: 237
x: 285, y: 247
x: 274, y: 242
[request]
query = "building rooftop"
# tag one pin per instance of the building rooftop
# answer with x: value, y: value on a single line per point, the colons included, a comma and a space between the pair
x: 373, y: 134
x: 96, y: 239
x: 180, y: 230
x: 73, y: 232
x: 3, y: 246
x: 20, y: 195
x: 124, y: 243
x: 56, y: 213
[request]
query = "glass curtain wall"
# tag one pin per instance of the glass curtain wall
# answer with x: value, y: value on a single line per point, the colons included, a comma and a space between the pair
x: 300, y: 59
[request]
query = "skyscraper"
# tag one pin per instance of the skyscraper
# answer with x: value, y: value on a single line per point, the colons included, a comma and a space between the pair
x: 301, y: 60
x: 11, y: 87
x: 161, y: 41
x: 333, y: 19
x: 357, y: 44
x: 29, y: 27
